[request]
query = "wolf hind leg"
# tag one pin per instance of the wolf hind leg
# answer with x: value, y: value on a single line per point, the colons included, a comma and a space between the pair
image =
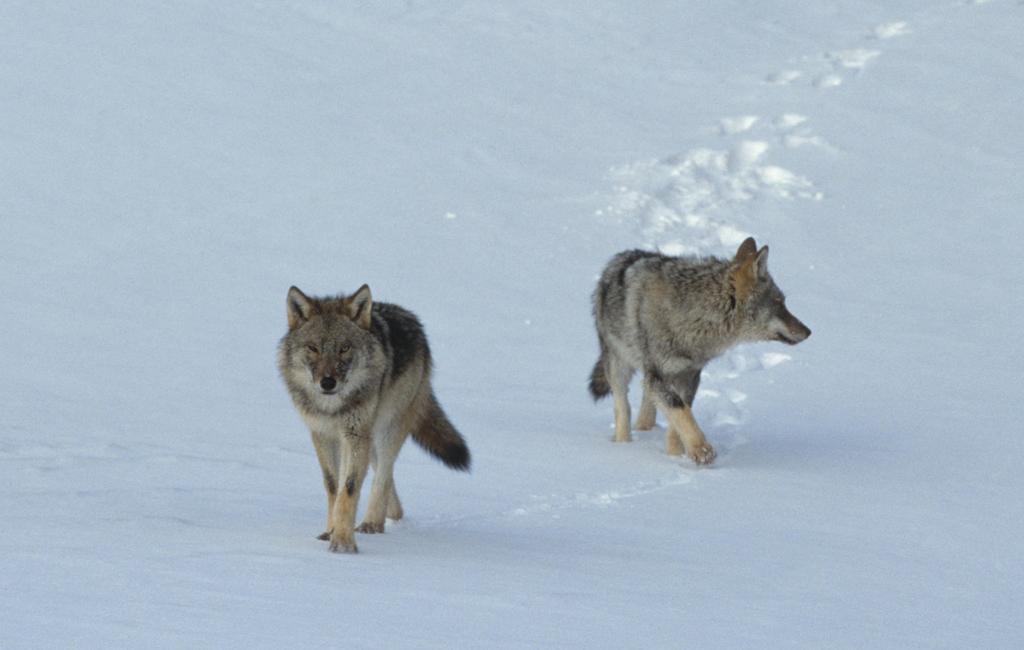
x: 646, y: 418
x: 619, y: 374
x: 383, y: 486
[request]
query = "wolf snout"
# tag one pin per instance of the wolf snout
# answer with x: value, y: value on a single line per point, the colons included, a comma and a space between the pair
x: 797, y: 333
x: 328, y: 384
x: 789, y: 329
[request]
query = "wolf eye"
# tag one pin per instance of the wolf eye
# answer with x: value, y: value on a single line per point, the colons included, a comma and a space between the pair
x: 313, y: 349
x: 345, y: 347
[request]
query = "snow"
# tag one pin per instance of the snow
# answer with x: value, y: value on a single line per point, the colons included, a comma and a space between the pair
x: 891, y: 29
x: 170, y: 169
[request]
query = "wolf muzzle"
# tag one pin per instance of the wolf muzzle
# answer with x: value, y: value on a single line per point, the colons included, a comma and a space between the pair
x: 795, y: 331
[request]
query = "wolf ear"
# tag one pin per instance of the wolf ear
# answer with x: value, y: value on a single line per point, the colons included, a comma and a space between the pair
x: 300, y: 308
x: 359, y: 306
x: 744, y: 271
x: 746, y: 250
x: 762, y: 262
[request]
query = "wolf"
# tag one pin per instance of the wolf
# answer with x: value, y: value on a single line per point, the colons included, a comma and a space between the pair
x: 669, y: 316
x: 358, y: 372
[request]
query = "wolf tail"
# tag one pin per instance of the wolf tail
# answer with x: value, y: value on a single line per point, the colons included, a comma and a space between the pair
x: 599, y: 386
x: 439, y: 438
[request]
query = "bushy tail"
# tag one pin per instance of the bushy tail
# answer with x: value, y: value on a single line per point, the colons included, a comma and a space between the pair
x: 599, y: 380
x: 438, y: 437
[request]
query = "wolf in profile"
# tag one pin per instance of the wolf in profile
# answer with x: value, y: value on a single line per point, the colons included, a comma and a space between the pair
x: 358, y: 372
x: 667, y: 317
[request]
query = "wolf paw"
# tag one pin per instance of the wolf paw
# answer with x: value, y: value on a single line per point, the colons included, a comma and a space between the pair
x: 340, y: 545
x: 703, y: 454
x: 370, y: 527
x: 324, y: 536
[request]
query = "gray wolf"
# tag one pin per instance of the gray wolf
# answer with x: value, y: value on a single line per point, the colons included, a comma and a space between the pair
x: 358, y: 372
x: 667, y: 317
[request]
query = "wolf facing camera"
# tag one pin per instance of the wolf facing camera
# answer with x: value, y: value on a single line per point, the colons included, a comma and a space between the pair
x: 668, y: 317
x: 358, y: 372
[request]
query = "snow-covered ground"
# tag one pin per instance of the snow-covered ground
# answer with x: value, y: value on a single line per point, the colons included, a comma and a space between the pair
x: 169, y: 169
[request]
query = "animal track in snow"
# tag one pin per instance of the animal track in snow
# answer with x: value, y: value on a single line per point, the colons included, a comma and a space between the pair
x: 772, y: 359
x: 828, y: 81
x: 675, y: 472
x: 891, y: 30
x: 844, y: 60
x: 789, y: 129
x: 792, y: 132
x: 828, y: 70
x: 789, y: 120
x: 555, y: 502
x: 733, y: 125
x: 737, y: 362
x: 855, y: 59
x: 685, y: 203
x: 784, y: 78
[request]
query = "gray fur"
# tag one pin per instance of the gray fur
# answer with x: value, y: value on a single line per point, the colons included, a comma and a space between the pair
x: 358, y: 373
x: 669, y: 316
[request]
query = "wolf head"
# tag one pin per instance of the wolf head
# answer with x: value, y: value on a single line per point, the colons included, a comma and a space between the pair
x: 329, y: 350
x: 760, y: 304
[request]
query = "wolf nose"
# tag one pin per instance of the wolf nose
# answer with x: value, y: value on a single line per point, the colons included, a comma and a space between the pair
x: 328, y: 383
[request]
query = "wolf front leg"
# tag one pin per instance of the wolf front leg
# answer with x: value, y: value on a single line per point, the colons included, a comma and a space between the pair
x: 355, y: 451
x: 697, y: 446
x: 646, y: 418
x: 674, y: 395
x: 327, y: 450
